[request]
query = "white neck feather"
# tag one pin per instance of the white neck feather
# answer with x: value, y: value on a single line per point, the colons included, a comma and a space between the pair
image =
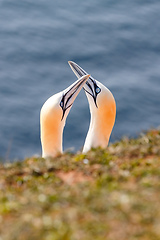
x: 102, y: 121
x: 94, y: 137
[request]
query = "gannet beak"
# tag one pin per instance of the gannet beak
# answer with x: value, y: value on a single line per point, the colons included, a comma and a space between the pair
x: 70, y: 93
x: 91, y: 86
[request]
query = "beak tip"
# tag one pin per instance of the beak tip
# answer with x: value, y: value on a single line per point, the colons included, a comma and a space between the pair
x: 70, y: 62
x: 87, y: 76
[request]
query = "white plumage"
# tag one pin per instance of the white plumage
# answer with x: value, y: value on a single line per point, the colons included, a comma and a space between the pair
x: 102, y: 108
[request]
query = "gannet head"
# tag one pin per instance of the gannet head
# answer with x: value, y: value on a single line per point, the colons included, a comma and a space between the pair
x: 53, y: 117
x: 102, y: 107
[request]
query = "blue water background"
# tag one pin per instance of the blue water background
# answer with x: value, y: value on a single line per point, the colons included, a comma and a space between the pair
x: 117, y: 42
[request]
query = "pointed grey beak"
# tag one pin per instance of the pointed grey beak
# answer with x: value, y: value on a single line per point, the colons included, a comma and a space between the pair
x: 91, y: 86
x: 70, y: 93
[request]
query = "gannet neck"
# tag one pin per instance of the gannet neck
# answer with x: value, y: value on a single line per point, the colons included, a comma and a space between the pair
x: 52, y: 140
x: 102, y: 119
x: 53, y: 117
x: 51, y: 127
x: 102, y: 109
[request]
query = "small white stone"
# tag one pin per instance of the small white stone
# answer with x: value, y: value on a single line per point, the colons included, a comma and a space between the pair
x: 86, y: 161
x: 124, y: 199
x: 124, y: 173
x: 42, y: 198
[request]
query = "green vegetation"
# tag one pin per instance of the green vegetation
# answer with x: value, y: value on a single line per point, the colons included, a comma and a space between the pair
x: 107, y: 194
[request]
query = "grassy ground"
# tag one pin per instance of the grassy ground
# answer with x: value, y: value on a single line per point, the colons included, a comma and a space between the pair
x: 107, y: 194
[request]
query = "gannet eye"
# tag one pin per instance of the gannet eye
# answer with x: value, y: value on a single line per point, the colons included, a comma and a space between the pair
x: 61, y: 104
x: 98, y: 90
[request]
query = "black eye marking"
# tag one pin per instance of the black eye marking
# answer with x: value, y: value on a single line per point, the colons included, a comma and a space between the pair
x: 62, y: 105
x: 98, y: 90
x: 62, y: 102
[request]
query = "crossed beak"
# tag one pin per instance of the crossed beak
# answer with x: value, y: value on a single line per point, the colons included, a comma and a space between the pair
x: 91, y: 86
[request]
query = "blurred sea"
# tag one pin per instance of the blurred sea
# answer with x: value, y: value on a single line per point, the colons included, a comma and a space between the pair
x: 117, y: 42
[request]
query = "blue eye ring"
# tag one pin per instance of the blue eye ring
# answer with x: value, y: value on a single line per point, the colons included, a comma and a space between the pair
x: 98, y: 90
x: 61, y: 104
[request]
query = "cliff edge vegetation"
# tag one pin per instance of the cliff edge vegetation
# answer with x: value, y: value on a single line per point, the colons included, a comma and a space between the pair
x: 105, y: 194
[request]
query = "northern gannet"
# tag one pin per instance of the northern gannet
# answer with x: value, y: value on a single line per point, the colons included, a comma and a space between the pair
x: 102, y: 109
x: 53, y: 117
